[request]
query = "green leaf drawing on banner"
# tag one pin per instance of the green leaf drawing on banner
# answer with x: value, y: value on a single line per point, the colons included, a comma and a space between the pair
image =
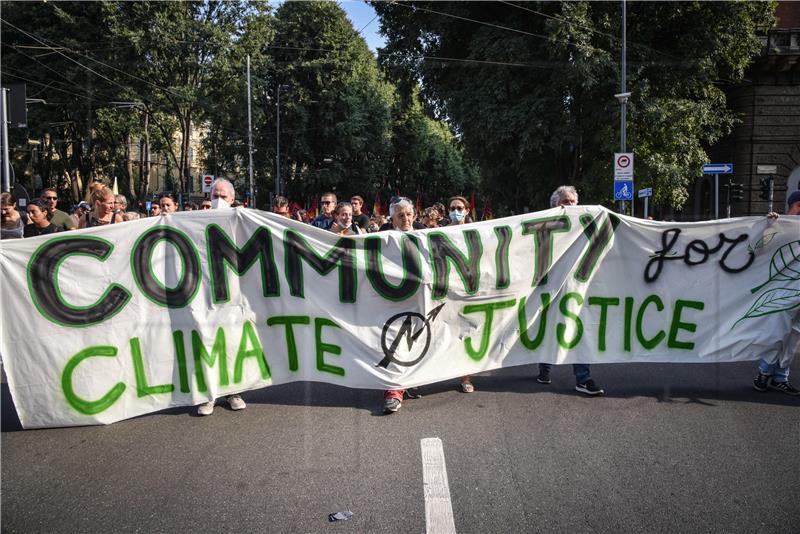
x: 761, y: 243
x: 780, y: 267
x: 773, y: 301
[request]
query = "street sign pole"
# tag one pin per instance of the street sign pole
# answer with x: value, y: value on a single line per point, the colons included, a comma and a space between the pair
x: 252, y: 202
x: 645, y: 206
x: 623, y: 103
x: 728, y: 198
x: 4, y: 133
x: 716, y: 169
x: 771, y: 190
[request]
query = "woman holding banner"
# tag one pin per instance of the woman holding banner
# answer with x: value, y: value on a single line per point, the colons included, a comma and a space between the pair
x: 343, y: 220
x: 459, y: 214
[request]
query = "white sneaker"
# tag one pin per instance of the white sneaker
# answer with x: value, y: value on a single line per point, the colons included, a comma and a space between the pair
x: 206, y: 408
x: 236, y: 402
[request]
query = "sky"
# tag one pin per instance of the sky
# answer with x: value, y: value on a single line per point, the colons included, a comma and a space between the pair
x: 360, y: 14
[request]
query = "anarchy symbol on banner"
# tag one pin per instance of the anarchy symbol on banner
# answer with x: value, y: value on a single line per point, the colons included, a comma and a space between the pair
x: 414, y: 326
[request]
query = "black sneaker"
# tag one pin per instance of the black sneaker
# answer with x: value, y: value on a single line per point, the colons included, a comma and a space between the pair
x: 761, y: 382
x: 544, y: 377
x: 784, y: 387
x: 589, y: 388
x: 391, y: 405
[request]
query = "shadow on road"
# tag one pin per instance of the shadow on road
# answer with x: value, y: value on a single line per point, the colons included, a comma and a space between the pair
x: 669, y: 383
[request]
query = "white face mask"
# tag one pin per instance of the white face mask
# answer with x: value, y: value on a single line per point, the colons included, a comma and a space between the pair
x: 457, y: 215
x: 219, y: 203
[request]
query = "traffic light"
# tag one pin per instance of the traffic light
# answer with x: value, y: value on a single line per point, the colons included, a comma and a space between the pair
x: 737, y: 192
x: 766, y: 185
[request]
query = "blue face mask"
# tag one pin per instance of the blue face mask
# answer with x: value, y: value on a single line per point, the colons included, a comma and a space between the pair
x: 457, y: 216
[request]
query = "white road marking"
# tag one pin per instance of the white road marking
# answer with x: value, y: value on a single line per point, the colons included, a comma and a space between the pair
x: 438, y: 507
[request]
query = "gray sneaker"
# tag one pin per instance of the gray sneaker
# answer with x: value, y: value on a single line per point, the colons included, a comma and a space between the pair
x: 207, y: 408
x: 236, y: 402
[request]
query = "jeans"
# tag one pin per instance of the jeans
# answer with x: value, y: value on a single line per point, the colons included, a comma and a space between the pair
x: 778, y: 373
x: 581, y: 370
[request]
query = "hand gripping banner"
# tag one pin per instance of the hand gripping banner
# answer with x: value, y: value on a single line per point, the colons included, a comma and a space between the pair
x: 104, y: 324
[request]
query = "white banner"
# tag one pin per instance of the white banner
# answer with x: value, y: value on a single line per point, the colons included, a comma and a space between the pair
x: 104, y: 324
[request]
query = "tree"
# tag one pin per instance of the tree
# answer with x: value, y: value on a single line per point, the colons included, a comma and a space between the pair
x: 179, y: 48
x: 45, y: 46
x: 426, y: 157
x: 529, y: 86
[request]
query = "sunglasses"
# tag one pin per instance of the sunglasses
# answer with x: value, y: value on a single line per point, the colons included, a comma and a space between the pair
x: 50, y: 198
x: 327, y: 202
x: 457, y: 208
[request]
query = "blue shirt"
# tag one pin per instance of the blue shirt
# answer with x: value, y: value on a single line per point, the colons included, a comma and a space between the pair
x: 321, y: 221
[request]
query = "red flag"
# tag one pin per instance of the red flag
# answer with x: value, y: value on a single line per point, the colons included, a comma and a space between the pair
x: 473, y: 213
x: 376, y: 206
x: 487, y: 209
x: 418, y: 207
x: 312, y: 211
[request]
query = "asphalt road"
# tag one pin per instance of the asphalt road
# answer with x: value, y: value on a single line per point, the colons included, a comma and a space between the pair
x: 670, y: 448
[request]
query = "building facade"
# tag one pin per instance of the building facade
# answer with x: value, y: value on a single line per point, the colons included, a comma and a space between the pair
x: 768, y: 102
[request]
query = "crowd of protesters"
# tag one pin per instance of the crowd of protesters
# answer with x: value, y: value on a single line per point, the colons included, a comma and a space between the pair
x: 344, y: 218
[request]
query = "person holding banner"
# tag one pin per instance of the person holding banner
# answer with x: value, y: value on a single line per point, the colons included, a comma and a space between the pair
x: 343, y: 223
x: 773, y: 373
x: 459, y: 214
x: 167, y: 203
x: 567, y: 195
x: 402, y: 219
x: 222, y: 196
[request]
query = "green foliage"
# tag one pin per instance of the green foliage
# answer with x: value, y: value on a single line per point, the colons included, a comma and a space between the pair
x: 533, y: 102
x: 180, y: 67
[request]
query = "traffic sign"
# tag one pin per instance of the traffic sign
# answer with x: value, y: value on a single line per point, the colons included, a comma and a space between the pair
x: 623, y: 166
x: 208, y: 179
x: 718, y: 168
x: 767, y: 169
x: 623, y: 190
x: 646, y: 192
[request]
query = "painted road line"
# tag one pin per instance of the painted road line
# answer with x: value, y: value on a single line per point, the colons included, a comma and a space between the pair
x: 438, y: 507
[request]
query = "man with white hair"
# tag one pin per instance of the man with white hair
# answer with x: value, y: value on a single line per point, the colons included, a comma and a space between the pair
x: 566, y: 195
x: 222, y: 196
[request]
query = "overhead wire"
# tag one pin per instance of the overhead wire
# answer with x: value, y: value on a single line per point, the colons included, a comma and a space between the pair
x: 55, y: 47
x: 587, y: 28
x: 57, y: 73
x: 482, y: 22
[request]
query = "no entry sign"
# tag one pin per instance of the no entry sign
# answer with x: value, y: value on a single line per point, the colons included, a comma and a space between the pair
x: 208, y: 179
x: 623, y: 166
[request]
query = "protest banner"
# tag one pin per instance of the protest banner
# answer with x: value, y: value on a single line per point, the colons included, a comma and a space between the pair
x: 104, y: 324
